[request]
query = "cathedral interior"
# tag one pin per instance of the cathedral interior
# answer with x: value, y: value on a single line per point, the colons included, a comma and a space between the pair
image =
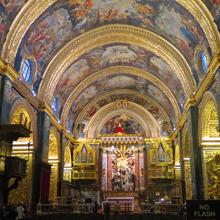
x: 109, y: 100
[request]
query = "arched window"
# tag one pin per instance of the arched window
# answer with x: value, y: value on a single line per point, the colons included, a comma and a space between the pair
x: 54, y: 104
x: 27, y: 70
x: 84, y: 155
x: 161, y: 153
x: 204, y: 64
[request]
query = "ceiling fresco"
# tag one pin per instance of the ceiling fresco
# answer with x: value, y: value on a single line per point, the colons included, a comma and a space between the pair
x: 81, y: 124
x: 214, y: 8
x: 120, y: 81
x: 117, y: 54
x: 65, y: 20
x: 8, y: 11
x: 84, y: 81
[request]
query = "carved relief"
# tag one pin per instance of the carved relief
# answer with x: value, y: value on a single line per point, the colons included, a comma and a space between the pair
x: 67, y: 164
x: 209, y: 118
x: 23, y: 193
x: 53, y: 154
x: 212, y: 162
x: 53, y: 148
x: 188, y: 183
x: 53, y: 183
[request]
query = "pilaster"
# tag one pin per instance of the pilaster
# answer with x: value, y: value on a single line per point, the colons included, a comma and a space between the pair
x: 4, y: 104
x: 196, y: 155
x: 60, y: 165
x: 41, y: 157
x: 182, y: 167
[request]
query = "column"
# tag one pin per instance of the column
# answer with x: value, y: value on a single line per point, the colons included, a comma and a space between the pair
x: 5, y: 105
x: 182, y: 168
x: 60, y: 165
x: 41, y: 170
x: 195, y: 155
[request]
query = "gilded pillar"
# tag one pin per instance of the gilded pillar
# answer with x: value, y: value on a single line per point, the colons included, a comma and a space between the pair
x: 195, y: 155
x: 188, y: 182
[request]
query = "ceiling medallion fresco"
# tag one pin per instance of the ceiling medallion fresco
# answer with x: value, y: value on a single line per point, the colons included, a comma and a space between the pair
x: 63, y: 21
x: 119, y: 81
x: 117, y: 54
x: 129, y: 96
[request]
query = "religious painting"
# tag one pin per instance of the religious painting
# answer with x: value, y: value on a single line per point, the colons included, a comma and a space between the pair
x: 118, y: 54
x: 123, y: 124
x: 123, y: 169
x: 8, y: 11
x: 64, y: 20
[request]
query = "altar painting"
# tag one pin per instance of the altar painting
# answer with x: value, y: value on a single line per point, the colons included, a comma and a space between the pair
x: 123, y: 169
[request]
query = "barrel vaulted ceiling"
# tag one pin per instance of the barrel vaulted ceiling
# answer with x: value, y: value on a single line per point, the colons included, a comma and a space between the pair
x: 85, y: 55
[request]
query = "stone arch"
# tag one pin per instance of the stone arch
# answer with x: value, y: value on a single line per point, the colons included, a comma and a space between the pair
x: 110, y: 110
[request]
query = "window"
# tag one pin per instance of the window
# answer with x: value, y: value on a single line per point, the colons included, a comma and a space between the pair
x: 203, y: 63
x: 161, y: 154
x: 55, y: 104
x: 27, y: 70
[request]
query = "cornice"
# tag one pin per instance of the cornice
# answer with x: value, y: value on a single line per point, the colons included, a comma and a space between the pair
x: 54, y: 121
x: 21, y: 88
x: 8, y: 70
x: 25, y: 92
x: 203, y: 16
x: 22, y: 22
x: 114, y: 34
x: 115, y: 70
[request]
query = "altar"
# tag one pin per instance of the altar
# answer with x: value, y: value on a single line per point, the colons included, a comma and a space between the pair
x: 122, y: 165
x: 126, y: 204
